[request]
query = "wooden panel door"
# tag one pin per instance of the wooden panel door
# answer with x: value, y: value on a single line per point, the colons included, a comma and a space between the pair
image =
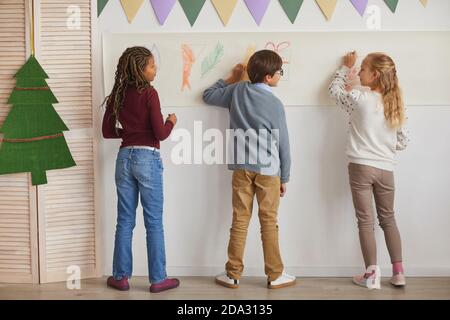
x: 68, y: 223
x: 18, y: 220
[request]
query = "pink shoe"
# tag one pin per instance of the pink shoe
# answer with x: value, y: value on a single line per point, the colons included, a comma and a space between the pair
x: 121, y: 284
x: 164, y: 285
x: 398, y: 280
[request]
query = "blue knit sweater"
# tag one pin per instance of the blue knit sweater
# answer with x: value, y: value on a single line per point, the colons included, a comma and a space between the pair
x: 258, y: 139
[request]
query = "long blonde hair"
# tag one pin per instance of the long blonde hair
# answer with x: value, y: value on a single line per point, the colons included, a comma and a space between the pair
x: 387, y: 83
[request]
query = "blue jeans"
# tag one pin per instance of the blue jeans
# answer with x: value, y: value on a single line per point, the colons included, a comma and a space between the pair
x: 139, y: 171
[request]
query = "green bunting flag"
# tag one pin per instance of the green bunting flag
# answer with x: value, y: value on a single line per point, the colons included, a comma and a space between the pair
x: 291, y: 8
x: 100, y: 6
x: 32, y: 132
x: 192, y: 9
x: 392, y: 4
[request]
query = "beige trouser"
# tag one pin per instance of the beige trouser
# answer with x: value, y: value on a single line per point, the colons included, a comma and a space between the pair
x: 267, y: 189
x: 365, y: 180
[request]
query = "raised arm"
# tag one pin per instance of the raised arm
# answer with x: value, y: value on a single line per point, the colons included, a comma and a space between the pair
x: 220, y: 93
x: 347, y: 100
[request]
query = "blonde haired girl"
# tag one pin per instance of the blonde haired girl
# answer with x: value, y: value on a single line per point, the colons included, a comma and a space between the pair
x: 377, y: 118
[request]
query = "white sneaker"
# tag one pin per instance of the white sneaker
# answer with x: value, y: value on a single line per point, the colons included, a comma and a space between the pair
x: 226, y: 281
x: 284, y: 280
x: 373, y: 281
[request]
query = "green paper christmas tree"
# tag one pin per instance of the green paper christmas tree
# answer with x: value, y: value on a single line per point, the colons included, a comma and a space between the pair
x: 32, y: 132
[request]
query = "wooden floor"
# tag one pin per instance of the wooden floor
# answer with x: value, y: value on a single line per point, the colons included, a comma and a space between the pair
x: 204, y: 288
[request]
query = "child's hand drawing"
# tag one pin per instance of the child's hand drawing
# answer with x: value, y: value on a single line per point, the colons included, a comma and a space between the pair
x: 212, y: 59
x: 279, y: 48
x: 250, y: 51
x: 188, y: 62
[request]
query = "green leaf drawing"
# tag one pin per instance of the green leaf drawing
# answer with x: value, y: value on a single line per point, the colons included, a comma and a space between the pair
x: 212, y: 59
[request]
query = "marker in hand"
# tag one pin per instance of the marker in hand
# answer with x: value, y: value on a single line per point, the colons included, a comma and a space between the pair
x: 172, y: 118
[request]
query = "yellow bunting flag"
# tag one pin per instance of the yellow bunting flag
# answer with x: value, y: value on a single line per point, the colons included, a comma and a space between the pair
x: 224, y: 9
x: 327, y: 7
x: 424, y: 2
x: 131, y: 7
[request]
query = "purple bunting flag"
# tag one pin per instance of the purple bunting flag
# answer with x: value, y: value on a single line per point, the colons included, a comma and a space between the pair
x: 257, y: 8
x: 162, y: 9
x: 360, y: 6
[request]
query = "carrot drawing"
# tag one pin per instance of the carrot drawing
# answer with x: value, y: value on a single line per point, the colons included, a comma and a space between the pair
x: 188, y: 62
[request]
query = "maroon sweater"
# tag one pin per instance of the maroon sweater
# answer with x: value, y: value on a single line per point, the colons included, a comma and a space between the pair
x: 141, y: 120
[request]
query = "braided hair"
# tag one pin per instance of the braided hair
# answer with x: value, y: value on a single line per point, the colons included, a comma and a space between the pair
x: 130, y: 71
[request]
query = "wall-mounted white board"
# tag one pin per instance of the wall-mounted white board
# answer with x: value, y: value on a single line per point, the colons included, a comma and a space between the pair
x: 310, y: 58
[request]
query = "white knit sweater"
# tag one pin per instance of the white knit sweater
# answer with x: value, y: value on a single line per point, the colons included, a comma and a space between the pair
x: 371, y: 142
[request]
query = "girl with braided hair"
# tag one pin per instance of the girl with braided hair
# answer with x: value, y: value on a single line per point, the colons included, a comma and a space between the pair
x: 133, y: 114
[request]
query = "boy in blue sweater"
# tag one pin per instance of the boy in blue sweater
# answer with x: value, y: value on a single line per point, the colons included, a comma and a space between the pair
x: 260, y: 159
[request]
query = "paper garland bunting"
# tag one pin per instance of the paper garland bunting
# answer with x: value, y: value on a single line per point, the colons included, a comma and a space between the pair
x: 192, y: 9
x: 225, y: 8
x: 100, y: 6
x: 360, y: 6
x: 131, y: 7
x: 257, y: 8
x: 327, y: 7
x: 162, y: 9
x: 291, y: 8
x: 392, y: 4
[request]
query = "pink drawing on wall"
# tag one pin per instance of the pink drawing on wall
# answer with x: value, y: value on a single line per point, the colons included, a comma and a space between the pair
x: 279, y: 48
x: 188, y: 62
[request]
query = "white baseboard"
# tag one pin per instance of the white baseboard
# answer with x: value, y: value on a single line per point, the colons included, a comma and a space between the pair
x: 411, y: 271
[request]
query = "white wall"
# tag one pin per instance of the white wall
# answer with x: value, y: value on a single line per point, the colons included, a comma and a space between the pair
x: 318, y: 231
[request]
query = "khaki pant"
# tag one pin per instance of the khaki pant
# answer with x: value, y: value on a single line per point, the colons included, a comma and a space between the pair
x: 365, y: 181
x: 267, y: 189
